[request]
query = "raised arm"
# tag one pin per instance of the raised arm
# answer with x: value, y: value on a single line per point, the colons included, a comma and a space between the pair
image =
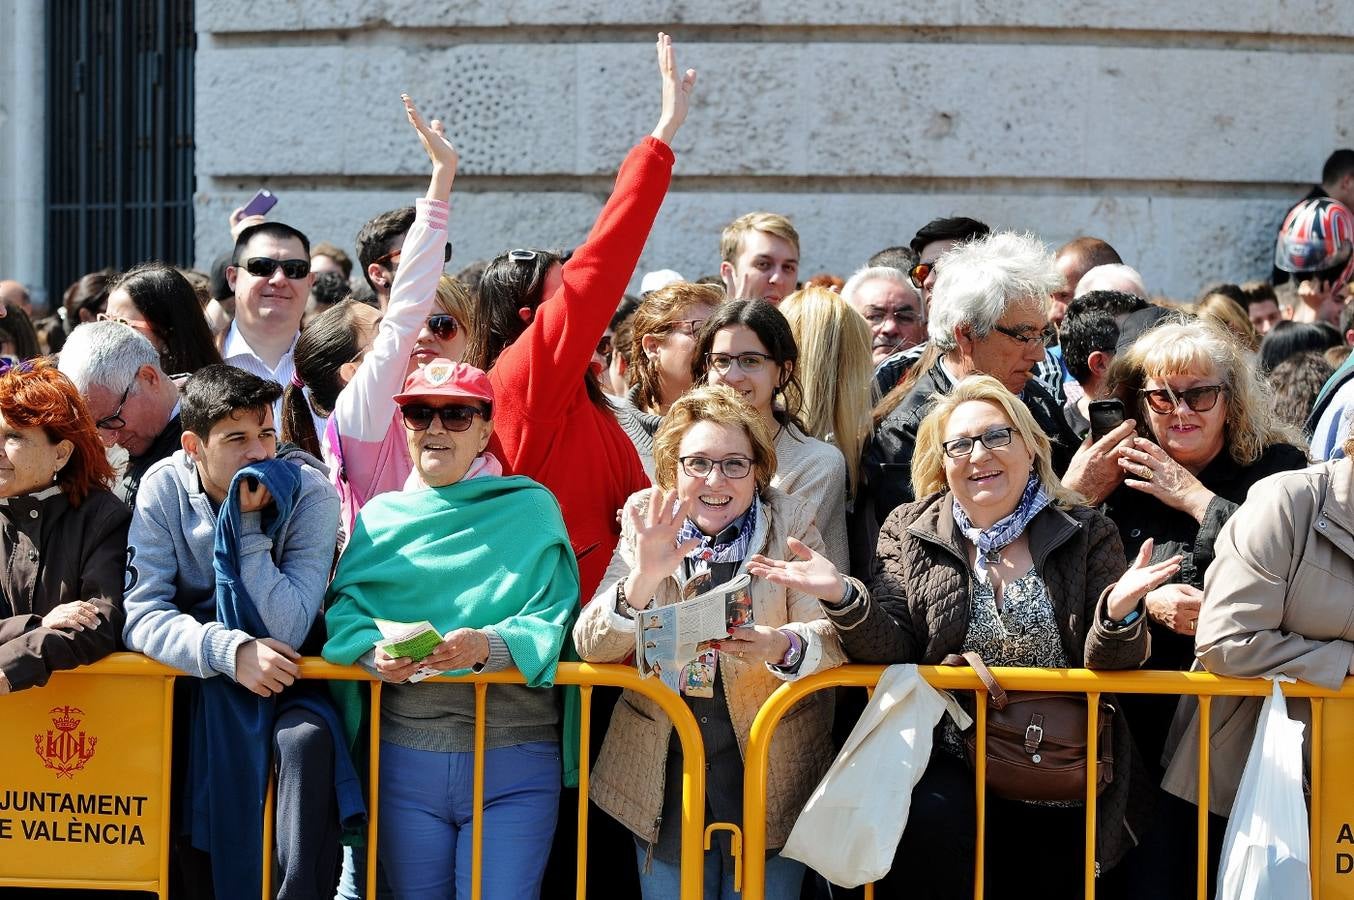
x: 365, y: 407
x: 544, y: 366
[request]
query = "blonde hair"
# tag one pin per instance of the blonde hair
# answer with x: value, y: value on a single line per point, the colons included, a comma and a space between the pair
x: 731, y: 240
x: 928, y: 460
x: 835, y: 369
x: 1180, y: 345
x: 721, y: 405
x: 658, y: 312
x: 454, y: 299
x: 1225, y: 311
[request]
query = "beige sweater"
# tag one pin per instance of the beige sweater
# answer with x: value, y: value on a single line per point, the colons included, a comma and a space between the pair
x: 815, y: 472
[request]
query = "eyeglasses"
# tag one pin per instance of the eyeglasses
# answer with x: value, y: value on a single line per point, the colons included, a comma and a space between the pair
x: 443, y: 326
x: 749, y: 361
x: 1028, y: 337
x: 455, y: 417
x: 992, y: 439
x: 918, y: 273
x: 604, y: 346
x: 105, y: 317
x: 901, y: 317
x: 1199, y: 399
x: 522, y: 255
x: 392, y: 259
x: 734, y: 467
x: 264, y: 267
x: 689, y: 326
x: 115, y: 421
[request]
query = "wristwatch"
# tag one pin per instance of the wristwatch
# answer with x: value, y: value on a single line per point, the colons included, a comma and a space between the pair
x: 796, y: 651
x: 1133, y: 616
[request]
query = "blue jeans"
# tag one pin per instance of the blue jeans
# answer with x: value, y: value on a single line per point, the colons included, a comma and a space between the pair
x: 427, y: 801
x: 663, y: 881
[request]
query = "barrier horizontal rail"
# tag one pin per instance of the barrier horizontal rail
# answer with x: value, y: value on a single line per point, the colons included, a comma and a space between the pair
x: 1091, y: 682
x: 584, y: 675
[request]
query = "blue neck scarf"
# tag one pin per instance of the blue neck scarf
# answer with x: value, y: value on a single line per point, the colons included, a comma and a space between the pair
x: 989, y: 541
x: 729, y: 552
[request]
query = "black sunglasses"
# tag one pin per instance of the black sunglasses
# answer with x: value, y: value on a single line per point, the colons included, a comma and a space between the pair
x: 443, y: 326
x: 264, y: 267
x: 392, y: 259
x: 455, y: 417
x: 918, y: 273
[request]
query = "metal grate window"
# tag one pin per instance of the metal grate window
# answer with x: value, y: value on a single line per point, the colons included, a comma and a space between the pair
x: 119, y: 135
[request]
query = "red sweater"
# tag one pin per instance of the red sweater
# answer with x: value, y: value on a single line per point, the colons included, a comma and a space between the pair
x: 545, y: 427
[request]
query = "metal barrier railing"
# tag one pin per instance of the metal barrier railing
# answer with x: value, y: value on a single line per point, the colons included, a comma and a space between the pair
x: 1092, y: 684
x: 584, y: 675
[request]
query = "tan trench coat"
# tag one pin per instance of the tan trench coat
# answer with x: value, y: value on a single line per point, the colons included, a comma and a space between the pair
x: 627, y: 781
x: 1278, y: 599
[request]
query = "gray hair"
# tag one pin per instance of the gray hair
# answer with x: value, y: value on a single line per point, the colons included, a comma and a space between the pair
x: 980, y: 279
x: 1112, y: 277
x: 882, y: 273
x: 108, y: 354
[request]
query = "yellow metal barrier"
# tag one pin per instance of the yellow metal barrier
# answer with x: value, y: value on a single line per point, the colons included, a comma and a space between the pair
x: 95, y: 753
x: 1332, y: 799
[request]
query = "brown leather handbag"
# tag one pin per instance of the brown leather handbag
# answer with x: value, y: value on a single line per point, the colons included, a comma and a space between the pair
x: 1036, y: 741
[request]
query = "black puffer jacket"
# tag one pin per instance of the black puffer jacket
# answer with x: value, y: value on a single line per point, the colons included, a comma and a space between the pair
x: 916, y: 610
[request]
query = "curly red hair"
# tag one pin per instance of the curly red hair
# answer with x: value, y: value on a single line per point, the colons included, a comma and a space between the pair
x: 35, y: 395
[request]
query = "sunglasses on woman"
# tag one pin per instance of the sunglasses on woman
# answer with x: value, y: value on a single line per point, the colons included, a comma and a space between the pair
x: 443, y: 326
x: 265, y: 266
x: 1199, y: 399
x: 455, y: 417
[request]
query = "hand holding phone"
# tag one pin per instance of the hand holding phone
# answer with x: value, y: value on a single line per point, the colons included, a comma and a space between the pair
x: 1105, y: 415
x: 259, y: 204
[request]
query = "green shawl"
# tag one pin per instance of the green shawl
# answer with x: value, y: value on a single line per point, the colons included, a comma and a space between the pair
x: 486, y: 552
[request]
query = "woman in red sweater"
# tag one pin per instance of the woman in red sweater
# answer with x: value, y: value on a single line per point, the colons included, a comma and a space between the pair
x: 540, y: 320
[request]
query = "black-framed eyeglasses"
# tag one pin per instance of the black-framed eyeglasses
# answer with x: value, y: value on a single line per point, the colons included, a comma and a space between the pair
x: 992, y: 439
x: 902, y: 317
x: 455, y: 417
x: 265, y: 266
x: 1026, y: 338
x: 734, y: 467
x: 443, y: 326
x: 918, y: 273
x: 521, y: 255
x: 391, y: 260
x: 1199, y: 399
x: 748, y: 361
x: 115, y: 421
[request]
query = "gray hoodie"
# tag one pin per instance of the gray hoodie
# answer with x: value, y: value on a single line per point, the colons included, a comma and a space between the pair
x: 171, y: 587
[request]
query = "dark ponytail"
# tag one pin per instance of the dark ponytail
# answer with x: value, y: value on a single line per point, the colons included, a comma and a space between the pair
x: 327, y: 342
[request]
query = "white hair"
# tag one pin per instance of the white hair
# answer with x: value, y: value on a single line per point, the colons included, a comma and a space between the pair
x: 108, y: 354
x: 978, y: 280
x: 881, y: 273
x: 1112, y: 277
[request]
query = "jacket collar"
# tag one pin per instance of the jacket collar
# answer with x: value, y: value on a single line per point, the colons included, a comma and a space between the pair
x: 1047, y: 531
x: 1336, y: 504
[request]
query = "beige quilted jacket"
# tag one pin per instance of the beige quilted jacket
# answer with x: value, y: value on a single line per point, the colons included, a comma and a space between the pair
x: 627, y: 781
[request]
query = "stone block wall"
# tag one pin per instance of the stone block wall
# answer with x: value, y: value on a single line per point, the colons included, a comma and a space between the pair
x: 1178, y: 132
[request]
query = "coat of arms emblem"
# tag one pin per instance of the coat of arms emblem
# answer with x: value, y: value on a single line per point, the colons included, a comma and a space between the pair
x: 62, y: 748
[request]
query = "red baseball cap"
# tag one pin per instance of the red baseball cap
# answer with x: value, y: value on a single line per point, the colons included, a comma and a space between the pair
x: 444, y: 378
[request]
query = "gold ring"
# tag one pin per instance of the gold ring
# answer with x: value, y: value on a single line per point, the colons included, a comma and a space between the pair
x: 1147, y: 476
x: 1193, y: 624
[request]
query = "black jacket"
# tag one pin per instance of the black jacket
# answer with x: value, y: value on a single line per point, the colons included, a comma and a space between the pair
x: 888, y: 458
x: 165, y: 443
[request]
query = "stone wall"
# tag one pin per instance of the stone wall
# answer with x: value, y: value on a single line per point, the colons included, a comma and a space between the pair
x: 1179, y: 134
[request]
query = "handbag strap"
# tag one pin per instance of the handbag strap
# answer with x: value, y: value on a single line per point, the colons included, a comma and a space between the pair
x: 975, y: 660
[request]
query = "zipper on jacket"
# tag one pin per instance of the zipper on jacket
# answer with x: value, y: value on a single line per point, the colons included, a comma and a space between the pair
x: 648, y: 851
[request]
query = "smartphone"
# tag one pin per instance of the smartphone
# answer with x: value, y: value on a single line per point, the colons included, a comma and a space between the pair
x: 1106, y: 415
x: 260, y: 203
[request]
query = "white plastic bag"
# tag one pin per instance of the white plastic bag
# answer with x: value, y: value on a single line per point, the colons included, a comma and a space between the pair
x: 850, y: 827
x: 1266, y: 851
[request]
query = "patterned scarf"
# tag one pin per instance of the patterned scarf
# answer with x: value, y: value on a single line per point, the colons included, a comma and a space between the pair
x: 731, y: 552
x: 990, y: 540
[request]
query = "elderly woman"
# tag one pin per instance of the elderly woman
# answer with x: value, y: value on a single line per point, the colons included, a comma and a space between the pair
x: 663, y: 336
x: 989, y: 316
x: 748, y: 345
x: 1276, y: 602
x: 998, y: 558
x: 499, y: 584
x: 63, y: 535
x: 714, y: 507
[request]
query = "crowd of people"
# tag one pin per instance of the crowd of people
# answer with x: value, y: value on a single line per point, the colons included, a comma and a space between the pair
x: 973, y: 444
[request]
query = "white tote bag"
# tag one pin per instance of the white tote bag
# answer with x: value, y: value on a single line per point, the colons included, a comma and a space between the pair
x: 863, y: 801
x: 1266, y: 851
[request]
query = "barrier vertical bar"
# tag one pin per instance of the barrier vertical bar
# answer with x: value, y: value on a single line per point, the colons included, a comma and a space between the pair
x: 269, y: 815
x: 980, y: 792
x: 1318, y: 713
x: 1092, y: 764
x: 374, y: 780
x: 1205, y: 729
x: 166, y: 786
x: 584, y: 773
x: 477, y: 815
